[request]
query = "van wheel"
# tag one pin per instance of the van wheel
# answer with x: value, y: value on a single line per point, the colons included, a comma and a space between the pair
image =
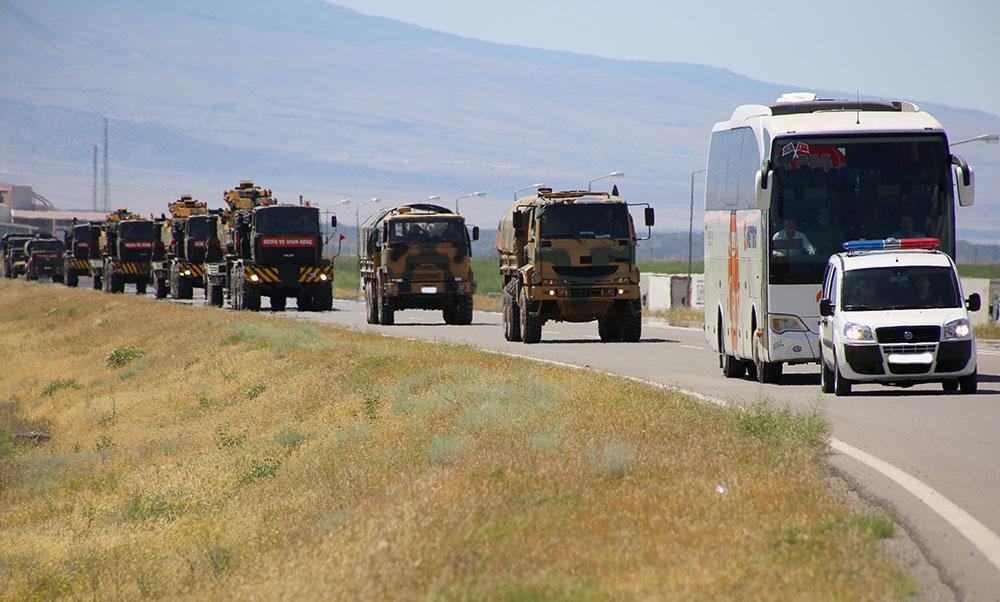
x: 825, y: 376
x: 969, y: 384
x: 950, y: 386
x: 841, y: 385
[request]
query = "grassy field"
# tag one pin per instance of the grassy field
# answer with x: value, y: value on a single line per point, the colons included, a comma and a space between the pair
x: 200, y: 452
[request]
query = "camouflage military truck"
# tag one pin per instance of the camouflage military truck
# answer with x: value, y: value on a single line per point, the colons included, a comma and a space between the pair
x: 44, y: 258
x: 272, y: 250
x: 570, y: 257
x: 15, y: 258
x: 127, y: 245
x: 184, y: 236
x: 417, y: 257
x: 83, y: 244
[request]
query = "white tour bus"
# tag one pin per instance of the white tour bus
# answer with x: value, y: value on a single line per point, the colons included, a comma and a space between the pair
x: 786, y: 185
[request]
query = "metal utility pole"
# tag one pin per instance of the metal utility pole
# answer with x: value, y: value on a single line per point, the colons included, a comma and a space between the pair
x: 93, y: 196
x: 107, y: 176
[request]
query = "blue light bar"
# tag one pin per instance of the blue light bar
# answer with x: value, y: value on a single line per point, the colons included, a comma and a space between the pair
x: 891, y: 244
x: 864, y: 245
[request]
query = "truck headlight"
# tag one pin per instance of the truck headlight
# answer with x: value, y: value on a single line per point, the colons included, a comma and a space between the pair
x: 323, y: 277
x: 858, y: 332
x: 254, y: 277
x: 187, y: 272
x: 783, y: 323
x: 957, y: 329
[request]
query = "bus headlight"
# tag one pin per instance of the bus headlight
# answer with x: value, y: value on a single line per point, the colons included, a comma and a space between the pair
x: 783, y: 323
x: 957, y: 329
x: 858, y: 332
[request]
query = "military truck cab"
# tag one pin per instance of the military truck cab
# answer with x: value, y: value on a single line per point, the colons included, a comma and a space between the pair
x: 44, y: 258
x: 127, y: 251
x: 570, y: 257
x: 892, y: 312
x: 15, y: 258
x: 83, y: 245
x: 417, y: 256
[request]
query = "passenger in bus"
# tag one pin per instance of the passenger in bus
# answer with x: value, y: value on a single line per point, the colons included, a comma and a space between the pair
x: 790, y: 241
x: 906, y: 228
x: 827, y: 235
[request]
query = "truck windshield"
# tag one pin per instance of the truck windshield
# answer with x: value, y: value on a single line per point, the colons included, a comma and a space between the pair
x: 45, y: 245
x: 830, y: 190
x: 197, y: 228
x: 586, y: 220
x: 136, y: 230
x: 912, y: 287
x: 429, y: 231
x: 287, y: 220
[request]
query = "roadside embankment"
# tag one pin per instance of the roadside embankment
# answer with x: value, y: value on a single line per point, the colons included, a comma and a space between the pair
x: 182, y: 451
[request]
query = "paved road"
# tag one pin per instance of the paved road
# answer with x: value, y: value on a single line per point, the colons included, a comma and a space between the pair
x: 934, y: 457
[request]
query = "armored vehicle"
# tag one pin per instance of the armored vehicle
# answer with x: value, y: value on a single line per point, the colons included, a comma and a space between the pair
x: 417, y: 257
x: 83, y: 244
x: 126, y: 252
x: 44, y: 258
x: 184, y: 236
x: 570, y: 257
x: 272, y: 250
x: 14, y: 257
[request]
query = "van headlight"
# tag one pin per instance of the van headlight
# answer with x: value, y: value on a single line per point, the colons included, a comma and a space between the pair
x: 957, y: 329
x: 857, y: 332
x: 782, y: 323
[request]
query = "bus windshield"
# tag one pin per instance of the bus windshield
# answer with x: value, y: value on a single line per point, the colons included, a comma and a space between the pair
x: 830, y: 190
x: 427, y: 231
x: 584, y: 220
x: 912, y: 287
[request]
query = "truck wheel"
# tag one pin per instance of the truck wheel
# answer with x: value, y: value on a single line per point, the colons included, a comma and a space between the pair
x: 449, y: 311
x: 371, y: 309
x: 140, y: 287
x: 251, y: 298
x: 324, y: 297
x: 969, y: 384
x: 304, y: 302
x: 386, y: 311
x: 185, y: 290
x: 531, y: 326
x: 72, y: 280
x: 463, y: 310
x: 511, y: 316
x: 609, y: 329
x: 160, y: 289
x: 214, y: 295
x: 278, y: 303
x: 57, y: 278
x: 631, y: 327
x: 96, y: 282
x: 841, y: 386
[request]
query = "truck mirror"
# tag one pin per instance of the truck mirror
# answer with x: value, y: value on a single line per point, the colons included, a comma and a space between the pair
x: 333, y: 221
x: 965, y: 180
x: 974, y: 303
x: 763, y: 188
x: 825, y: 308
x: 650, y: 216
x: 517, y: 220
x: 475, y: 233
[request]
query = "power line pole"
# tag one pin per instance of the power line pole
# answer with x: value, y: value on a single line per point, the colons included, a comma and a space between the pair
x: 93, y: 196
x: 107, y: 177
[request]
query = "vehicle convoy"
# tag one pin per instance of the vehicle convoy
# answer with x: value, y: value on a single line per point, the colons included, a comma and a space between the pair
x: 83, y: 244
x: 570, y: 257
x: 893, y: 312
x: 127, y: 245
x: 44, y: 258
x: 786, y: 185
x: 417, y: 256
x: 178, y: 267
x: 272, y: 250
x: 15, y: 259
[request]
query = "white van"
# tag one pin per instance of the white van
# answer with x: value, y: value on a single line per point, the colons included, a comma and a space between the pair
x: 892, y: 312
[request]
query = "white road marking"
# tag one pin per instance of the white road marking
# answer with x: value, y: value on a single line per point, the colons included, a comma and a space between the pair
x: 994, y: 353
x: 693, y: 347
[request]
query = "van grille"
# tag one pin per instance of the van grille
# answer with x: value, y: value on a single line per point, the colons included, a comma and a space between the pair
x: 918, y: 334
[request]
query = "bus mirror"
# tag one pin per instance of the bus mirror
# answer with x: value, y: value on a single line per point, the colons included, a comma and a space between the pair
x: 333, y: 221
x: 825, y: 308
x: 965, y: 180
x: 517, y: 220
x: 475, y: 233
x: 650, y: 216
x: 974, y: 303
x: 763, y: 189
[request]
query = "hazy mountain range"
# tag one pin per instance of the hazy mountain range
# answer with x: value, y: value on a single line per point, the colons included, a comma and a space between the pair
x: 311, y: 98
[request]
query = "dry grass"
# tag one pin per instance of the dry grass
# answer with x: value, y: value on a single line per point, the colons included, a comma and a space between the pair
x: 681, y: 316
x: 248, y: 456
x: 989, y: 330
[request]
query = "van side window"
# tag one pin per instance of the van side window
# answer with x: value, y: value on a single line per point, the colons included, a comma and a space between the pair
x: 826, y: 281
x: 834, y: 286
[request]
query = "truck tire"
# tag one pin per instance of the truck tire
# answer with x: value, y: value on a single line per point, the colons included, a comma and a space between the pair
x: 72, y: 280
x: 304, y: 302
x: 185, y: 290
x: 511, y: 315
x: 371, y: 309
x: 531, y: 326
x: 323, y: 297
x: 160, y: 290
x: 251, y: 298
x: 609, y: 329
x: 448, y: 313
x: 140, y: 287
x: 463, y: 310
x: 96, y: 282
x: 631, y: 327
x: 214, y: 294
x: 278, y: 302
x: 57, y: 278
x: 386, y: 311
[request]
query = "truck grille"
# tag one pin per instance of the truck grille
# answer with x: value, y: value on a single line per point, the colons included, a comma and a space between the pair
x: 918, y: 334
x: 585, y: 271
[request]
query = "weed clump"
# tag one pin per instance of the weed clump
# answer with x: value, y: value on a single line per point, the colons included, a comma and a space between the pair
x: 290, y: 438
x: 260, y: 469
x: 614, y: 460
x: 140, y: 508
x: 774, y: 424
x: 124, y: 355
x: 256, y: 391
x: 59, y: 384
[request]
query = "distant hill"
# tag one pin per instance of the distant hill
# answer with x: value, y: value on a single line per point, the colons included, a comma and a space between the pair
x: 311, y: 98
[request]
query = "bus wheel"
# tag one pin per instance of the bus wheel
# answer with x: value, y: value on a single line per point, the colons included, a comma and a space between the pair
x: 732, y: 367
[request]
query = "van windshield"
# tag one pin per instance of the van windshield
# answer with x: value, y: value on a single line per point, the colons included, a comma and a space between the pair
x: 911, y: 287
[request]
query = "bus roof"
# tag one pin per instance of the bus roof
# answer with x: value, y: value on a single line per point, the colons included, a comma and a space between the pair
x: 804, y: 114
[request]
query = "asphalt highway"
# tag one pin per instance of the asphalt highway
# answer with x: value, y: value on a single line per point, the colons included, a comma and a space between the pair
x: 930, y: 456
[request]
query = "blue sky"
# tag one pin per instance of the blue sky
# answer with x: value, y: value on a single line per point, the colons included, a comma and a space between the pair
x: 937, y: 51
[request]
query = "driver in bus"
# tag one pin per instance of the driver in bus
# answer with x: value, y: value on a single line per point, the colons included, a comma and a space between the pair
x: 906, y: 228
x: 827, y: 235
x: 788, y: 234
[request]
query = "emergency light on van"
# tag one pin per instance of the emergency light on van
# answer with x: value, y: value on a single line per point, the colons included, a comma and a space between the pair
x: 891, y: 244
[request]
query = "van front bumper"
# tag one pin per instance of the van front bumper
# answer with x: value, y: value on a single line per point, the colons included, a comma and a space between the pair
x: 913, y: 362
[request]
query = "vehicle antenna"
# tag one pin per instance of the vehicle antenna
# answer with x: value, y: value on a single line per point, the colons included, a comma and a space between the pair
x: 858, y: 122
